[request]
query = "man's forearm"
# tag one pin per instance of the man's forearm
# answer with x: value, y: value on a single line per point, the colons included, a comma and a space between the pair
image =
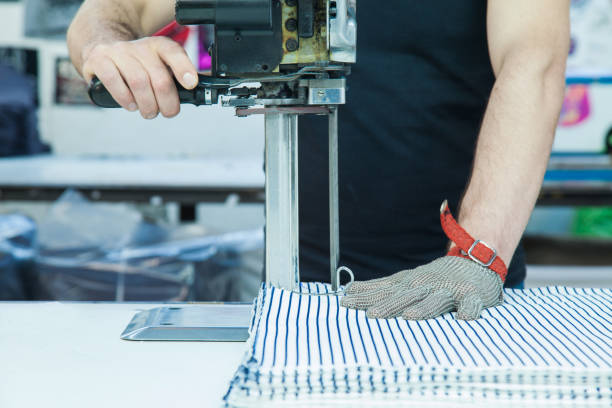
x: 512, y: 151
x: 101, y: 21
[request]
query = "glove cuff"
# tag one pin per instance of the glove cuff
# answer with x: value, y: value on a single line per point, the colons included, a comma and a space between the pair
x: 468, y: 247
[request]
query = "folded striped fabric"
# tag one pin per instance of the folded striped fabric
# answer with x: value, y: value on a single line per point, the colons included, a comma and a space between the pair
x: 546, y: 346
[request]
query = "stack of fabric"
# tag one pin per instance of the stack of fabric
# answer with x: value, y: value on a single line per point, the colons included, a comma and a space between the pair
x: 541, y: 347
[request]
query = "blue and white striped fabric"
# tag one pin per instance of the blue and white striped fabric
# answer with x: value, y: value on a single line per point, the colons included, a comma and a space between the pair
x: 551, y: 346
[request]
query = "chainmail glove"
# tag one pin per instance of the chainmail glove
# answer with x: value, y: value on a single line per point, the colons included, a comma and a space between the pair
x: 447, y: 284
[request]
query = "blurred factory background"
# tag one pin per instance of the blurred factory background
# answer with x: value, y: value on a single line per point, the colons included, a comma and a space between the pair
x: 99, y: 204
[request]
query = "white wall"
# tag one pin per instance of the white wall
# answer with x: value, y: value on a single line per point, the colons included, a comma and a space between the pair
x: 204, y: 131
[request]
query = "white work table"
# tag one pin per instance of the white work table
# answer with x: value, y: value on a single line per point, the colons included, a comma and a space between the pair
x: 108, y: 171
x: 119, y: 178
x: 69, y: 355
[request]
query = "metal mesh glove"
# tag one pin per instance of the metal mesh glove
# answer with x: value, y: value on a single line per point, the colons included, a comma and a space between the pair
x: 446, y: 284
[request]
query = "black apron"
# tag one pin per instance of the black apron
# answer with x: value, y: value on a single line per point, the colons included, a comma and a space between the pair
x: 415, y: 102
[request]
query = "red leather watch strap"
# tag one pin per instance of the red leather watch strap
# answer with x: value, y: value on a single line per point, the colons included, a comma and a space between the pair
x: 468, y: 247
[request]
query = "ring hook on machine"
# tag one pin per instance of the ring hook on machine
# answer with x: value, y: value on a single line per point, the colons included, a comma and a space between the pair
x: 339, y: 292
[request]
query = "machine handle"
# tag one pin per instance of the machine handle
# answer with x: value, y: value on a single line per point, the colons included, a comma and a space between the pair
x: 200, y: 95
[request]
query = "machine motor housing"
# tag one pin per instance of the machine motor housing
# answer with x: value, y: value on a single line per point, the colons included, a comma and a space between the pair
x: 256, y: 37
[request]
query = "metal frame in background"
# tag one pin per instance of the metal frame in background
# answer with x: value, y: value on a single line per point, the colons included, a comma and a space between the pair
x: 577, y: 180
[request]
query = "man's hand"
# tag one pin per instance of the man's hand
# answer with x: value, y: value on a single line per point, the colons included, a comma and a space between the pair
x: 103, y: 42
x: 444, y: 285
x: 138, y: 74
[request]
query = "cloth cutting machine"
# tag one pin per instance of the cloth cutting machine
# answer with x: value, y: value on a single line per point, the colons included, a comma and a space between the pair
x: 279, y: 58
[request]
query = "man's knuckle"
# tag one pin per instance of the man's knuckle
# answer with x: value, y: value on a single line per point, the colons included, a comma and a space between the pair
x: 107, y: 77
x: 92, y: 63
x: 123, y: 47
x: 99, y: 50
x: 162, y: 83
x: 141, y: 48
x: 120, y: 44
x: 138, y: 81
x: 163, y: 41
x: 169, y: 47
x: 124, y: 96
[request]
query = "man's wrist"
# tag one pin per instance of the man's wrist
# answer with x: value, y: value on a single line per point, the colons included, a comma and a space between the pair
x: 492, y: 238
x: 469, y: 246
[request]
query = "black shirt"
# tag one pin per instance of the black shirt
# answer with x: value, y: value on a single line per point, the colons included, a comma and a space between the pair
x: 407, y: 137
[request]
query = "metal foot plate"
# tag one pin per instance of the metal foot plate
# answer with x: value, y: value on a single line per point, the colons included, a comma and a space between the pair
x: 206, y: 322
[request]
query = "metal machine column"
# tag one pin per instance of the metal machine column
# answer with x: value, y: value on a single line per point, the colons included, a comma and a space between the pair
x: 282, y: 218
x: 334, y: 228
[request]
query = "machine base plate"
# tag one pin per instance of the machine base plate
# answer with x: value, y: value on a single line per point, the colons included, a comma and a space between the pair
x: 205, y: 322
